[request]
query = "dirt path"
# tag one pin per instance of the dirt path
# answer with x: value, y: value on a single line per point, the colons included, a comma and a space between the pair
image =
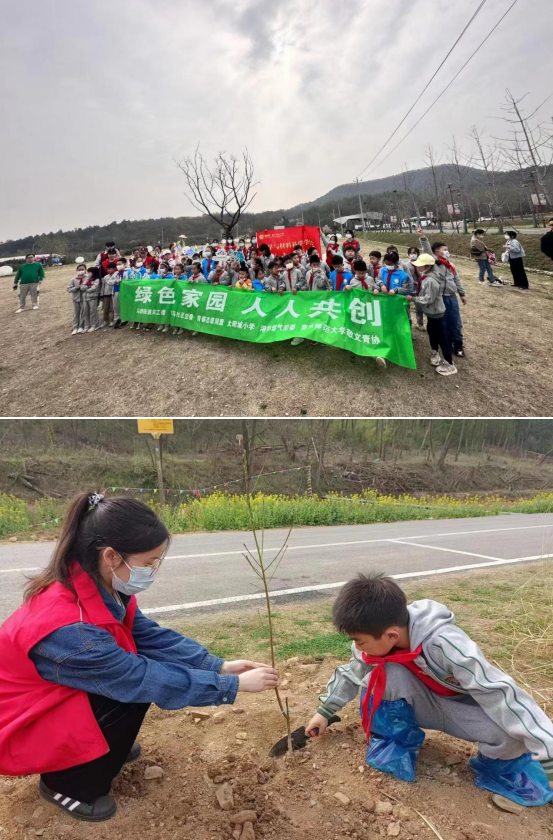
x: 296, y: 803
x: 44, y: 371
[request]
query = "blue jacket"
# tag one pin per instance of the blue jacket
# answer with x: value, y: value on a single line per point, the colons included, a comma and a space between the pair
x: 396, y: 279
x: 208, y: 266
x: 168, y: 669
x: 347, y: 277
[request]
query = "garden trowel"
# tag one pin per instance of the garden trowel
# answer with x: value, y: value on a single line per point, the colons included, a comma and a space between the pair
x: 299, y: 738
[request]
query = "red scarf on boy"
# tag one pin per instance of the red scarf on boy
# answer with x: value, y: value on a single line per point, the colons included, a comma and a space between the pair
x: 377, y: 681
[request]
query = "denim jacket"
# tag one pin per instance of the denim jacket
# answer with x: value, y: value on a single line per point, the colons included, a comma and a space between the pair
x: 168, y: 669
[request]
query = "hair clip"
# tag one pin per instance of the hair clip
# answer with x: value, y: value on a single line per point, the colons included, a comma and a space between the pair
x: 94, y: 499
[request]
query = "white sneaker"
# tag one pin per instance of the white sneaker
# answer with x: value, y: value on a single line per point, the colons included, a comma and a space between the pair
x: 91, y: 329
x: 137, y: 326
x: 297, y: 340
x: 74, y: 332
x: 160, y: 328
x: 17, y: 311
x: 80, y: 330
x: 132, y: 326
x: 165, y: 329
x: 445, y: 369
x: 35, y: 306
x: 497, y: 283
x: 111, y: 323
x: 380, y: 362
x: 175, y: 331
x: 435, y: 359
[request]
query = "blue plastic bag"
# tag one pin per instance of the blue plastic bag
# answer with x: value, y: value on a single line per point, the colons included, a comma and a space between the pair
x: 521, y: 779
x: 395, y: 739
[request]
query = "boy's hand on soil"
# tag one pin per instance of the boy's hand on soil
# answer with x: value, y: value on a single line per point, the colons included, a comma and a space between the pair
x: 240, y: 666
x: 259, y: 679
x: 317, y: 722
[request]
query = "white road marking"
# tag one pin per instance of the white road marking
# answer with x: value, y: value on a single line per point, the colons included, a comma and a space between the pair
x: 335, y: 544
x: 323, y: 586
x: 448, y: 550
x: 363, y: 542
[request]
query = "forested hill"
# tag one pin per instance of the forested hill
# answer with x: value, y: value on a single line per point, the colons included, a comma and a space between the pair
x: 415, y: 189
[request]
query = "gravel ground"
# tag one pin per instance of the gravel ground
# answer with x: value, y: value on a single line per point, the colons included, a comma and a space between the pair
x: 44, y: 371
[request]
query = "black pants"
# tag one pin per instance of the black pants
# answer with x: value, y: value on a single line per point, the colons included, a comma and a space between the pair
x: 519, y: 274
x: 438, y: 337
x: 120, y: 724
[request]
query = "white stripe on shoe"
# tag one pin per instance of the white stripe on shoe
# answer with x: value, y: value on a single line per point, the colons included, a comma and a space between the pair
x: 66, y: 800
x: 74, y: 805
x: 57, y: 796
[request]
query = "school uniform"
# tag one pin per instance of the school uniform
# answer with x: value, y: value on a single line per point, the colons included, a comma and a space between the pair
x: 90, y: 289
x: 115, y: 282
x: 220, y: 278
x: 444, y: 682
x: 331, y: 251
x: 451, y: 287
x: 367, y: 283
x: 291, y: 277
x: 397, y: 280
x: 75, y: 289
x: 317, y: 281
x: 339, y: 279
x: 208, y: 266
x: 432, y: 304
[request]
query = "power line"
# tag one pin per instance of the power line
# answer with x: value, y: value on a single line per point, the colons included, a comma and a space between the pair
x: 501, y: 19
x: 482, y: 4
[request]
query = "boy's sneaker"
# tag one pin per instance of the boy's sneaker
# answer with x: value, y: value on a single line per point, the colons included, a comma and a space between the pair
x: 123, y: 324
x: 459, y: 352
x: 35, y: 306
x: 297, y: 340
x: 380, y: 362
x: 74, y: 332
x: 133, y: 326
x: 117, y: 324
x: 496, y: 283
x: 17, y: 311
x: 435, y: 359
x: 137, y: 326
x: 165, y: 328
x: 103, y: 808
x: 80, y: 330
x: 160, y: 328
x: 445, y: 369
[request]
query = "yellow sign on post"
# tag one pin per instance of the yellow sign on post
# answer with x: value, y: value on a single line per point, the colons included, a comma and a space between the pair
x: 155, y: 427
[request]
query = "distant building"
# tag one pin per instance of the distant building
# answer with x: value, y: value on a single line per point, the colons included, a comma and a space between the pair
x: 355, y: 222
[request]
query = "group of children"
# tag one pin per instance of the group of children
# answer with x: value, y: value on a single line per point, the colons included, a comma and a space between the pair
x: 427, y: 277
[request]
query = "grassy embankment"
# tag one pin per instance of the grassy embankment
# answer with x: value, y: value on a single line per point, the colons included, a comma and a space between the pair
x: 221, y: 511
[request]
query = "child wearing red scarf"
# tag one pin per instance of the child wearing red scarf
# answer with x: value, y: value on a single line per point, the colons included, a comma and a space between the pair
x: 417, y: 670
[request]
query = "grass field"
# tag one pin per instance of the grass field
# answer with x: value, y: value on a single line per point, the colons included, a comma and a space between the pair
x: 224, y: 512
x: 44, y: 371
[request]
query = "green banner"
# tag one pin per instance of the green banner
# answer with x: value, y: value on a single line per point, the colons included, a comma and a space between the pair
x: 358, y: 321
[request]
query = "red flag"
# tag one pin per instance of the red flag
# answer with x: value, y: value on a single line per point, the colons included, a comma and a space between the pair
x: 282, y: 241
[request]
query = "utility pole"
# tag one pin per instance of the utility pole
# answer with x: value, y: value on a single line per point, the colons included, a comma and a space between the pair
x: 450, y: 188
x: 341, y: 225
x: 360, y: 205
x: 301, y: 205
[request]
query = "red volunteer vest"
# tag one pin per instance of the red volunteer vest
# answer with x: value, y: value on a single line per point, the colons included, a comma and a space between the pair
x: 377, y: 681
x: 44, y: 726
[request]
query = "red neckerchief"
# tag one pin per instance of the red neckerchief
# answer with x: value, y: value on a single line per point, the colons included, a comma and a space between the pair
x: 333, y: 246
x: 376, y: 269
x: 447, y: 264
x: 377, y: 681
x: 363, y: 282
x: 339, y: 280
x: 390, y: 272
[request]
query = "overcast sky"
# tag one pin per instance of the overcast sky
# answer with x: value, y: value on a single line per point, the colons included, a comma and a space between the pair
x: 98, y: 97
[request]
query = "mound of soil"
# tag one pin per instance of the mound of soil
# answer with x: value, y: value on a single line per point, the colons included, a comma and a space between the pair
x: 218, y: 783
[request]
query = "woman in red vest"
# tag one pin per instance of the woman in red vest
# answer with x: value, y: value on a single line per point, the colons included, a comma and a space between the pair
x: 80, y: 664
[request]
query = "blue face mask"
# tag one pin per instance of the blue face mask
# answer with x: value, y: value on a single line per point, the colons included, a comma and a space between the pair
x: 140, y: 579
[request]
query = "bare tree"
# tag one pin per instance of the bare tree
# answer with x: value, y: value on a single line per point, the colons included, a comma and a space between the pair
x: 489, y: 158
x: 223, y: 191
x: 529, y: 145
x: 433, y: 162
x: 408, y: 177
x: 461, y: 164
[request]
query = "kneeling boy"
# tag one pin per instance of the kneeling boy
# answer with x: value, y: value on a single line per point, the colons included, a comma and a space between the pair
x: 418, y: 670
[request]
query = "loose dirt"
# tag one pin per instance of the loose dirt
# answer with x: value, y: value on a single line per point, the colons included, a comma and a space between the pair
x: 44, y: 371
x: 223, y: 760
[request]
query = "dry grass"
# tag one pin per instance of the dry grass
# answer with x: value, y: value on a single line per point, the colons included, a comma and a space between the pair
x: 44, y: 371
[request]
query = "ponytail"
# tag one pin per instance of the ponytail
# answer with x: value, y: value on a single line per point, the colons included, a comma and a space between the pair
x: 91, y: 523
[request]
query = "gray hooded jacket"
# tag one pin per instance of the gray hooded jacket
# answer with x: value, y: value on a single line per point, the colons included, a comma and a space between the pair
x: 451, y: 283
x: 450, y: 657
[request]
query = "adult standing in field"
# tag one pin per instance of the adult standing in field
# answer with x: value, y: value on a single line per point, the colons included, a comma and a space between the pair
x: 80, y: 664
x: 28, y: 277
x: 547, y: 241
x: 479, y: 252
x: 515, y: 257
x: 350, y: 240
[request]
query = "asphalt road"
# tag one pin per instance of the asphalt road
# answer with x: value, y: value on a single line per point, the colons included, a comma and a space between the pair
x: 207, y: 572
